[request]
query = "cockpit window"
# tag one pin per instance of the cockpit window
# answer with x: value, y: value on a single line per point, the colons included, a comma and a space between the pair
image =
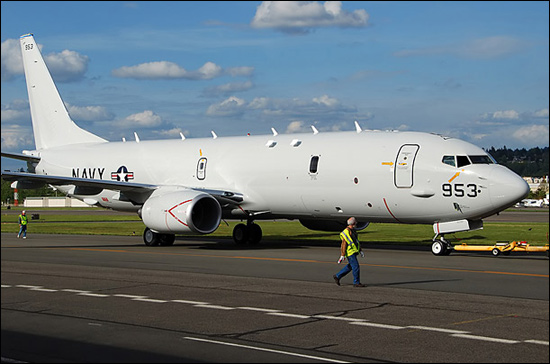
x: 449, y: 159
x: 462, y: 160
x: 481, y: 159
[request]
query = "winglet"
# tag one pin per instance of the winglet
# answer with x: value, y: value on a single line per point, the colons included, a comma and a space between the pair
x: 214, y: 136
x: 315, y: 131
x: 274, y: 132
x: 182, y: 136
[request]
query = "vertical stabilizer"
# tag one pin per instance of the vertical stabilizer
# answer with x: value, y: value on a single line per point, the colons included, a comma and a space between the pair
x: 51, y: 122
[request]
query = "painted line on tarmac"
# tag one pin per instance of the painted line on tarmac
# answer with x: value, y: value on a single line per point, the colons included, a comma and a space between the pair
x: 264, y: 349
x: 279, y: 313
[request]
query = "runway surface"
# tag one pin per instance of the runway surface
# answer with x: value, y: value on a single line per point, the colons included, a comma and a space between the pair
x: 112, y: 299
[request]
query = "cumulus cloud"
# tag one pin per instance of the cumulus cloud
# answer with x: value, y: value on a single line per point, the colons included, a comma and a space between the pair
x: 229, y: 107
x: 89, y: 113
x: 145, y: 119
x: 533, y: 134
x: 323, y: 109
x: 66, y: 66
x: 298, y: 17
x: 15, y: 111
x: 12, y: 65
x: 170, y: 70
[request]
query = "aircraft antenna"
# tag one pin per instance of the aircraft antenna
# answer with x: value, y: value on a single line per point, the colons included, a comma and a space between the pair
x: 358, y: 127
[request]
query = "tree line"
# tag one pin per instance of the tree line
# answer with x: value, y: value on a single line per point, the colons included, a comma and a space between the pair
x: 527, y: 163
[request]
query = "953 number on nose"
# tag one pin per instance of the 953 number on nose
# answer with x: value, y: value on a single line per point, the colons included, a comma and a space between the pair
x: 460, y: 190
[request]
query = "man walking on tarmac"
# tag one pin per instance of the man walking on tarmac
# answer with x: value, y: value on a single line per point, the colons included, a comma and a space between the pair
x: 350, y: 248
x: 22, y: 225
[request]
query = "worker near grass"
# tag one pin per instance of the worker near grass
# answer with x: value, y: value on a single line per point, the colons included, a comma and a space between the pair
x: 350, y: 249
x: 23, y: 221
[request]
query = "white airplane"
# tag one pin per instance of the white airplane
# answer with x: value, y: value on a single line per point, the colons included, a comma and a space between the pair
x: 190, y: 185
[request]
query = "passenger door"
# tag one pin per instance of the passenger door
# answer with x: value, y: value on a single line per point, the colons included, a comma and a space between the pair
x: 404, y: 166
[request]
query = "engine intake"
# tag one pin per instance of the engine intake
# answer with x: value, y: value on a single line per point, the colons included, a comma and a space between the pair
x: 186, y: 211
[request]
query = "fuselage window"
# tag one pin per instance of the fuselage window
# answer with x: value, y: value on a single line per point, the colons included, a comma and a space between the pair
x: 462, y: 161
x: 313, y: 164
x: 449, y: 159
x: 481, y: 159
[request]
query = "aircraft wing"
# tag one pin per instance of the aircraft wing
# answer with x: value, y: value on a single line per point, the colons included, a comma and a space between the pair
x: 136, y: 192
x: 23, y: 157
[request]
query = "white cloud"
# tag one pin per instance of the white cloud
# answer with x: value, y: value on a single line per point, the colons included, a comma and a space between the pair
x: 89, y: 113
x: 532, y: 134
x: 16, y: 111
x: 12, y: 65
x: 170, y: 70
x: 296, y: 126
x: 543, y: 114
x: 297, y: 17
x: 16, y: 137
x: 508, y: 114
x: 326, y: 101
x: 229, y: 107
x: 145, y: 119
x: 66, y: 66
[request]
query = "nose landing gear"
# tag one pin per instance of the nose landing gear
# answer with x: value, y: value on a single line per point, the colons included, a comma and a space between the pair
x: 441, y: 246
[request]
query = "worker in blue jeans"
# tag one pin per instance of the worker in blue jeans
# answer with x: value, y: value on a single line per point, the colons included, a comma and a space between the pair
x: 349, y: 249
x: 23, y: 221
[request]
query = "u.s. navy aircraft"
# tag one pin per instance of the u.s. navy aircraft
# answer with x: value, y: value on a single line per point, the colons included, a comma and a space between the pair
x: 190, y: 185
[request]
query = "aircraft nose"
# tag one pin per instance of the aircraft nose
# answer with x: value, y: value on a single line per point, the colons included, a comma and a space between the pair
x: 506, y: 187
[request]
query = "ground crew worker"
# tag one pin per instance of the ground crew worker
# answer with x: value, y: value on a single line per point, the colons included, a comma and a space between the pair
x: 23, y: 225
x: 349, y: 249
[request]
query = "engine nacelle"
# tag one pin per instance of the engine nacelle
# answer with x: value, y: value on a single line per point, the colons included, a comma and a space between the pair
x: 330, y: 225
x: 184, y: 211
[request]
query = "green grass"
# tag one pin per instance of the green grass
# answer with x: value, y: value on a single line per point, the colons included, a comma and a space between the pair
x: 399, y: 234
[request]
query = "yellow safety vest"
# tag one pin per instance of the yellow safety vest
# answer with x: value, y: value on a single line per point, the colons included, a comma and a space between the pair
x: 353, y: 243
x: 23, y: 219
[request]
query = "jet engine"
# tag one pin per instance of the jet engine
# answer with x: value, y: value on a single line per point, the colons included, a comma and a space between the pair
x: 181, y: 211
x: 330, y: 225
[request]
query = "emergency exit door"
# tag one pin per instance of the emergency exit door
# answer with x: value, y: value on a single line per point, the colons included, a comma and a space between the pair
x: 404, y: 166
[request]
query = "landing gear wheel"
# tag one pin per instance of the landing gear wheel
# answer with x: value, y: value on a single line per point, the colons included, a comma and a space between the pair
x: 439, y: 248
x: 495, y: 252
x: 240, y: 234
x: 250, y: 233
x: 150, y: 237
x: 166, y: 239
x: 254, y: 234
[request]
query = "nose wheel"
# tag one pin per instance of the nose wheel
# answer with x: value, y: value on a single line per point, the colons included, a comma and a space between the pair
x: 441, y: 246
x: 250, y: 233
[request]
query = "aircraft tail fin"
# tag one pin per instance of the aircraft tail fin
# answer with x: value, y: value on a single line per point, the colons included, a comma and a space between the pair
x: 51, y: 122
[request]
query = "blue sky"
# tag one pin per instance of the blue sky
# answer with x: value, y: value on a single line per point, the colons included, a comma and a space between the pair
x: 477, y: 71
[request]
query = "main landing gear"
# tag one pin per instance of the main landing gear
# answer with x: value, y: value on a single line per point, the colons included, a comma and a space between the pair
x: 152, y: 239
x: 441, y: 246
x: 250, y: 233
